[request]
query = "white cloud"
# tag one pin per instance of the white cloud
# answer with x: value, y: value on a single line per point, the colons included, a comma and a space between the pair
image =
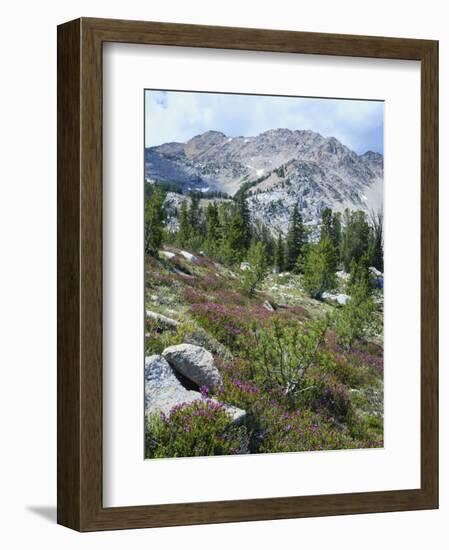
x: 177, y: 116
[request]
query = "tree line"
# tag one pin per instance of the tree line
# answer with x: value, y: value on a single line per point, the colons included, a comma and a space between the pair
x: 351, y: 240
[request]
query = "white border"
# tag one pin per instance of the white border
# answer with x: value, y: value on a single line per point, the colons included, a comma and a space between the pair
x: 130, y: 480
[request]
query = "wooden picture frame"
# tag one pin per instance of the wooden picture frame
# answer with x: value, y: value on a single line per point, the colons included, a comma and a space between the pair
x: 80, y: 503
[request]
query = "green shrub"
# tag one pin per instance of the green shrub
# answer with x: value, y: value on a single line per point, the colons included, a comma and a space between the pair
x: 367, y: 430
x: 352, y: 320
x: 281, y: 355
x: 351, y: 371
x: 154, y: 220
x: 301, y: 431
x: 324, y: 393
x: 201, y: 428
x: 159, y: 336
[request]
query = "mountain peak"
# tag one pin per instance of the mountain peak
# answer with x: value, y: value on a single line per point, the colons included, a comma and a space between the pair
x: 372, y: 155
x: 208, y: 135
x: 201, y: 143
x: 298, y: 166
x: 277, y: 131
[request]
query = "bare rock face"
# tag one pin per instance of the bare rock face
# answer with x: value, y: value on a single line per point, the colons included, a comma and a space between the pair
x: 279, y: 168
x: 195, y: 363
x: 162, y: 389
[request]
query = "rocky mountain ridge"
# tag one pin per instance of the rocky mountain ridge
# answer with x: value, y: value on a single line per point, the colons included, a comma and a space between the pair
x: 277, y: 169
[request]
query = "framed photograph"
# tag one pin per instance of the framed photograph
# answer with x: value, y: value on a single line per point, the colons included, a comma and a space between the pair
x: 247, y: 274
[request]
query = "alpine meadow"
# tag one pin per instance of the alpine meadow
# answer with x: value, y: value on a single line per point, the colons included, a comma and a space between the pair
x: 263, y: 236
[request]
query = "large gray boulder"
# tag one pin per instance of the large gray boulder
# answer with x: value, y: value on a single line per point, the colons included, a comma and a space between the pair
x: 162, y: 389
x: 195, y: 363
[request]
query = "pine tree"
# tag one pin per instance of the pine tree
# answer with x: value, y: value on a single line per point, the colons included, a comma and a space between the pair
x: 355, y: 238
x: 295, y: 239
x: 238, y: 235
x: 154, y: 220
x: 194, y: 211
x: 331, y: 228
x: 360, y: 279
x: 184, y: 231
x: 235, y: 247
x: 327, y: 223
x: 195, y: 221
x: 212, y: 239
x: 279, y: 254
x: 352, y: 321
x: 328, y: 231
x: 257, y: 259
x: 242, y: 211
x: 269, y: 243
x: 336, y: 233
x: 376, y: 246
x: 224, y: 219
x: 319, y: 271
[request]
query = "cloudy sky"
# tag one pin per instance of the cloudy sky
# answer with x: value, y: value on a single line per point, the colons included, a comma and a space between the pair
x: 178, y: 116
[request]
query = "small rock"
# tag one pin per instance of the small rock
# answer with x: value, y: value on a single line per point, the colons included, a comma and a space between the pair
x: 194, y: 362
x: 188, y: 256
x: 162, y: 318
x: 341, y: 299
x: 167, y: 254
x: 237, y: 415
x: 375, y: 271
x: 342, y: 275
x: 268, y: 306
x: 244, y: 266
x: 182, y: 273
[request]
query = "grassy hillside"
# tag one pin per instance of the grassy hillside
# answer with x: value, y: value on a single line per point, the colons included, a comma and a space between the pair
x: 280, y: 355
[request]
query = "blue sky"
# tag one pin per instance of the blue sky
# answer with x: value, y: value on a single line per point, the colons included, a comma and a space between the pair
x: 178, y: 116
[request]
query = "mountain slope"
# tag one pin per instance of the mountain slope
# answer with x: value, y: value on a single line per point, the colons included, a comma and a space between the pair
x: 278, y: 168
